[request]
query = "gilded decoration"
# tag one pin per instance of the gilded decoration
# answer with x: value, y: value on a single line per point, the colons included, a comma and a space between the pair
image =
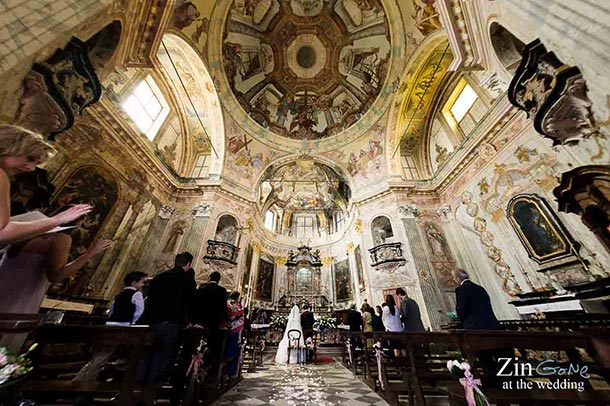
x: 538, y: 228
x: 417, y: 103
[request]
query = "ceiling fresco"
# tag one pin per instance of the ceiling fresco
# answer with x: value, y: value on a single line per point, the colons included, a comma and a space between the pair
x: 306, y: 69
x: 303, y: 185
x: 419, y: 95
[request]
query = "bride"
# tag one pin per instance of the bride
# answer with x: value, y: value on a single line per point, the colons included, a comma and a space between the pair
x: 294, y: 323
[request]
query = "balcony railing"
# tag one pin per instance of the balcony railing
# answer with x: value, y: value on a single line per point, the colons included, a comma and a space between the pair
x: 387, y: 256
x: 222, y: 251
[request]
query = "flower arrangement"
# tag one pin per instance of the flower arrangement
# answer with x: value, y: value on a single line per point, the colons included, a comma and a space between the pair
x: 278, y: 322
x: 460, y: 369
x: 325, y: 323
x: 13, y: 367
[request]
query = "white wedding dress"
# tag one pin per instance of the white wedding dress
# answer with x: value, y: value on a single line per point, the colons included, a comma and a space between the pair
x: 294, y: 323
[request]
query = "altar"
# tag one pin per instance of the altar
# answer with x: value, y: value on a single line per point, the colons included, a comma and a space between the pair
x: 303, y: 283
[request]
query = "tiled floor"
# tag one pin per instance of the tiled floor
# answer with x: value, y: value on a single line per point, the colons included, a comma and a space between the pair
x: 319, y: 385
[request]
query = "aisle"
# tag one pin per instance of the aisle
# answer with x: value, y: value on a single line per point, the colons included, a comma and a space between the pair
x: 320, y: 385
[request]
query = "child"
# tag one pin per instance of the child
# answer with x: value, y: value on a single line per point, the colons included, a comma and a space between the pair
x: 128, y: 305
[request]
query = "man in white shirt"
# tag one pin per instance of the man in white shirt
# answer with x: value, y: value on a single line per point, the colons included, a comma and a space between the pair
x: 128, y: 305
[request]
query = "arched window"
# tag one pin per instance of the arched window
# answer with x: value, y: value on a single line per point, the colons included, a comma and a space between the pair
x: 464, y: 108
x: 270, y: 220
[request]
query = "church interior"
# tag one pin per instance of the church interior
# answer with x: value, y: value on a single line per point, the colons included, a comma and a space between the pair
x: 320, y: 154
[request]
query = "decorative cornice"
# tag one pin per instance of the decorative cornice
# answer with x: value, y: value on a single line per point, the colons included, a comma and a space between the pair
x: 147, y: 21
x: 459, y: 18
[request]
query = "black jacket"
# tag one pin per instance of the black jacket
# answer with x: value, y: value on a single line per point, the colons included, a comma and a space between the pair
x: 307, y: 320
x: 354, y: 320
x: 473, y: 307
x: 169, y: 294
x: 209, y: 307
x: 410, y: 315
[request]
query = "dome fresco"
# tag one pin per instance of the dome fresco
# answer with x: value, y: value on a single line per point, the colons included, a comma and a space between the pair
x: 306, y: 69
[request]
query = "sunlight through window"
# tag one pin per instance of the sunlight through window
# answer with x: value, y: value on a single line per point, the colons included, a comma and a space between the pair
x: 463, y: 103
x: 146, y: 108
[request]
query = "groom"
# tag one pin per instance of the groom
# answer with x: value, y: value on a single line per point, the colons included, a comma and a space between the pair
x: 307, y: 321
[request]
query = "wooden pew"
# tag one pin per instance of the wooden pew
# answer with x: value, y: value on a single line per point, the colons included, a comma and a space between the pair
x: 478, y: 347
x: 69, y: 360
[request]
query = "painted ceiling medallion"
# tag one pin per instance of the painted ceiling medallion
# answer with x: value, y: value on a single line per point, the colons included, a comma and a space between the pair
x: 306, y: 69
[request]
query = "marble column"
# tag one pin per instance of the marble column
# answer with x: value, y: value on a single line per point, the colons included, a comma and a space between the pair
x: 153, y: 239
x: 424, y: 270
x: 107, y: 263
x: 256, y: 254
x: 194, y: 240
x: 354, y: 271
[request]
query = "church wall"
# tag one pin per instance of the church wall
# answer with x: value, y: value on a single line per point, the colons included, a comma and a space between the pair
x: 31, y: 32
x: 480, y: 235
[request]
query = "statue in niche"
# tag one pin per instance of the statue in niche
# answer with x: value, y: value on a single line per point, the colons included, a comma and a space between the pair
x: 172, y: 242
x: 227, y: 234
x: 436, y: 240
x: 379, y: 236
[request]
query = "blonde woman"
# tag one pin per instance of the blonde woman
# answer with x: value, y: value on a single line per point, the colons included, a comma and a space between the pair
x: 20, y: 151
x: 27, y: 270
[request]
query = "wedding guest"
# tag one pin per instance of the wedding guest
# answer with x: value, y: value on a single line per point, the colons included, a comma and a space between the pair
x: 307, y: 321
x: 367, y: 320
x: 236, y: 324
x: 169, y: 295
x: 20, y: 151
x: 391, y: 321
x: 354, y: 319
x: 25, y: 277
x: 473, y: 306
x: 409, y: 310
x: 377, y: 321
x: 128, y: 305
x: 209, y: 309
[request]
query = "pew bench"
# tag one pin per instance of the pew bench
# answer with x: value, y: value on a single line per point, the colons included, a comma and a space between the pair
x: 70, y: 360
x: 483, y: 349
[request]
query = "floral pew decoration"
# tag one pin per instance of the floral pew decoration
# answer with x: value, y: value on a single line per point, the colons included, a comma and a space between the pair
x: 14, y: 367
x: 460, y: 368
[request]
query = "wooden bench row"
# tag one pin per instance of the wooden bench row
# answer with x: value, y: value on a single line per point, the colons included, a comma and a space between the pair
x: 78, y: 363
x: 421, y: 375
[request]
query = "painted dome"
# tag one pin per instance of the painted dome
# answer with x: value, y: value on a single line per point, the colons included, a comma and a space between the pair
x: 306, y: 69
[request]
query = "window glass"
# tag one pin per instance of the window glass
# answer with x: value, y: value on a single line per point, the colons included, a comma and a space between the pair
x: 146, y: 108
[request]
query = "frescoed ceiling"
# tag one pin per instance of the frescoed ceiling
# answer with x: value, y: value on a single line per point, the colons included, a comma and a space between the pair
x: 306, y: 69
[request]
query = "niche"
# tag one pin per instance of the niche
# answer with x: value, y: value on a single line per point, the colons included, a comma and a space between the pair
x: 226, y: 230
x: 508, y: 48
x: 381, y: 230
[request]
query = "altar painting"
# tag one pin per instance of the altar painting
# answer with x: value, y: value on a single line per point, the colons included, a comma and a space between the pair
x: 264, y: 281
x: 343, y: 281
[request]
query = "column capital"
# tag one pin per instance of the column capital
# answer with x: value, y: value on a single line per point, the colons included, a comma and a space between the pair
x: 202, y: 210
x: 409, y: 210
x: 165, y: 212
x: 444, y: 213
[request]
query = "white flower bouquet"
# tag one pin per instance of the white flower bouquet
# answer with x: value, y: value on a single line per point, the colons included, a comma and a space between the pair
x: 460, y: 369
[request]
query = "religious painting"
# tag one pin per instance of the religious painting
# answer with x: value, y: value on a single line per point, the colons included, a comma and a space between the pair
x: 87, y: 185
x: 343, y: 281
x: 264, y: 280
x: 360, y: 269
x: 245, y: 279
x: 538, y: 228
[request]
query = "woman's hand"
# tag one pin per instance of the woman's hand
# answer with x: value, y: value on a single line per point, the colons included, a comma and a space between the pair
x: 73, y: 213
x: 98, y: 247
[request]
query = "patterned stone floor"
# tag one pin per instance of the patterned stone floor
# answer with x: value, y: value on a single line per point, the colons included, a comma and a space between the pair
x: 319, y: 385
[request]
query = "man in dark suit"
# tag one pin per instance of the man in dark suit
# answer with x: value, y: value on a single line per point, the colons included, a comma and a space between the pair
x: 166, y: 309
x: 307, y: 321
x: 473, y: 306
x: 354, y: 319
x: 409, y: 312
x: 209, y: 309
